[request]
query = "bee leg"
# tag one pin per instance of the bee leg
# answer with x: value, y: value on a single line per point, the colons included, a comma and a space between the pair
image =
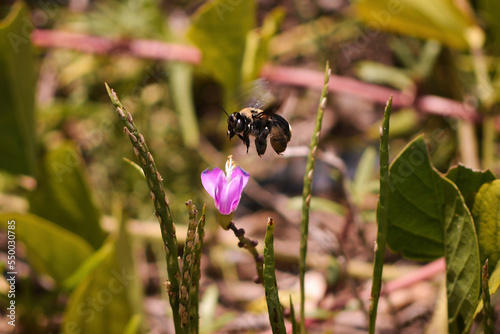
x: 245, y: 139
x: 261, y: 141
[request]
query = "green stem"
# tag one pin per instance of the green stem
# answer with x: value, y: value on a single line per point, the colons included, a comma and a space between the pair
x: 160, y: 201
x: 273, y: 301
x: 194, y: 317
x: 382, y: 217
x: 488, y: 317
x: 187, y: 265
x: 486, y: 94
x: 306, y: 197
x: 295, y: 329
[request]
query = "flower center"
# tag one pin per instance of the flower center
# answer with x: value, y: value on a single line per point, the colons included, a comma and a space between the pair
x: 230, y: 166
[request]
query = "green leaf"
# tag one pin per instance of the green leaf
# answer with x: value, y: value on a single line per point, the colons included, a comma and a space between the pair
x: 427, y: 19
x: 428, y: 219
x: 256, y: 50
x: 220, y: 30
x: 17, y: 93
x: 416, y: 205
x: 381, y: 74
x: 50, y: 249
x: 463, y: 269
x: 63, y: 196
x: 108, y: 299
x: 469, y: 181
x: 487, y: 217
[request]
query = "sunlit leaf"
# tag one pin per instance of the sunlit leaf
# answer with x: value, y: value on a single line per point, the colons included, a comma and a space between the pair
x: 50, y: 248
x: 429, y: 219
x: 486, y: 215
x: 63, y: 196
x: 220, y: 30
x: 469, y: 181
x: 428, y: 19
x: 17, y: 93
x: 256, y: 50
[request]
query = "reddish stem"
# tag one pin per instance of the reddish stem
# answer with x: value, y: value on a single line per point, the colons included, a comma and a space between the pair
x: 429, y: 104
x: 280, y: 74
x: 140, y: 48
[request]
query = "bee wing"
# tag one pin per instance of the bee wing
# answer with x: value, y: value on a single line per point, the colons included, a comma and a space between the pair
x: 257, y: 94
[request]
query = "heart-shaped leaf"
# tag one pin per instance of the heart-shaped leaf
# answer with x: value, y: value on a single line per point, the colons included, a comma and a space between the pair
x: 428, y: 219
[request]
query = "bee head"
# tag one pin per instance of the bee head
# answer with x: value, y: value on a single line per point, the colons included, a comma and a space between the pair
x: 235, y: 124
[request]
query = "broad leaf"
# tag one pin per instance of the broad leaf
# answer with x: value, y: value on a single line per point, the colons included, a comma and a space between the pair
x: 108, y: 299
x: 429, y: 219
x: 416, y: 205
x: 427, y: 19
x: 50, y: 249
x: 469, y: 181
x: 487, y: 217
x: 17, y: 93
x: 220, y: 30
x: 63, y: 196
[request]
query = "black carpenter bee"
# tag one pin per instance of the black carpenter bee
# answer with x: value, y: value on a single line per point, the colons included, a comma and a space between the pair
x: 260, y: 123
x: 259, y: 119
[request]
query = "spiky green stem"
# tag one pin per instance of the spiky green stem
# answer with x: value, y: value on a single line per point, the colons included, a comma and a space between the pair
x: 273, y: 301
x: 187, y: 265
x: 160, y: 201
x: 194, y: 317
x: 306, y: 197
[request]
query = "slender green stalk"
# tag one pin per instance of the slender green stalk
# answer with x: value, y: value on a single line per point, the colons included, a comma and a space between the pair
x: 488, y: 315
x: 486, y: 94
x: 306, y: 197
x: 489, y: 141
x: 194, y: 317
x: 187, y: 265
x: 295, y: 328
x: 382, y: 217
x: 160, y: 201
x: 273, y: 301
x: 250, y: 245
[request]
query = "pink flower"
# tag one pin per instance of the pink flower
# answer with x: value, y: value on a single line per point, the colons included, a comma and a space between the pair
x: 225, y: 188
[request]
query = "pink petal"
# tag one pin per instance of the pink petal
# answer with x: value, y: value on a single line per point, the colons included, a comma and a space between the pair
x: 236, y: 186
x: 244, y: 175
x: 209, y: 180
x: 220, y: 195
x: 230, y: 196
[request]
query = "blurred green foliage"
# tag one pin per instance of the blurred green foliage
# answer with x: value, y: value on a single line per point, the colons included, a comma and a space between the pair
x: 17, y: 93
